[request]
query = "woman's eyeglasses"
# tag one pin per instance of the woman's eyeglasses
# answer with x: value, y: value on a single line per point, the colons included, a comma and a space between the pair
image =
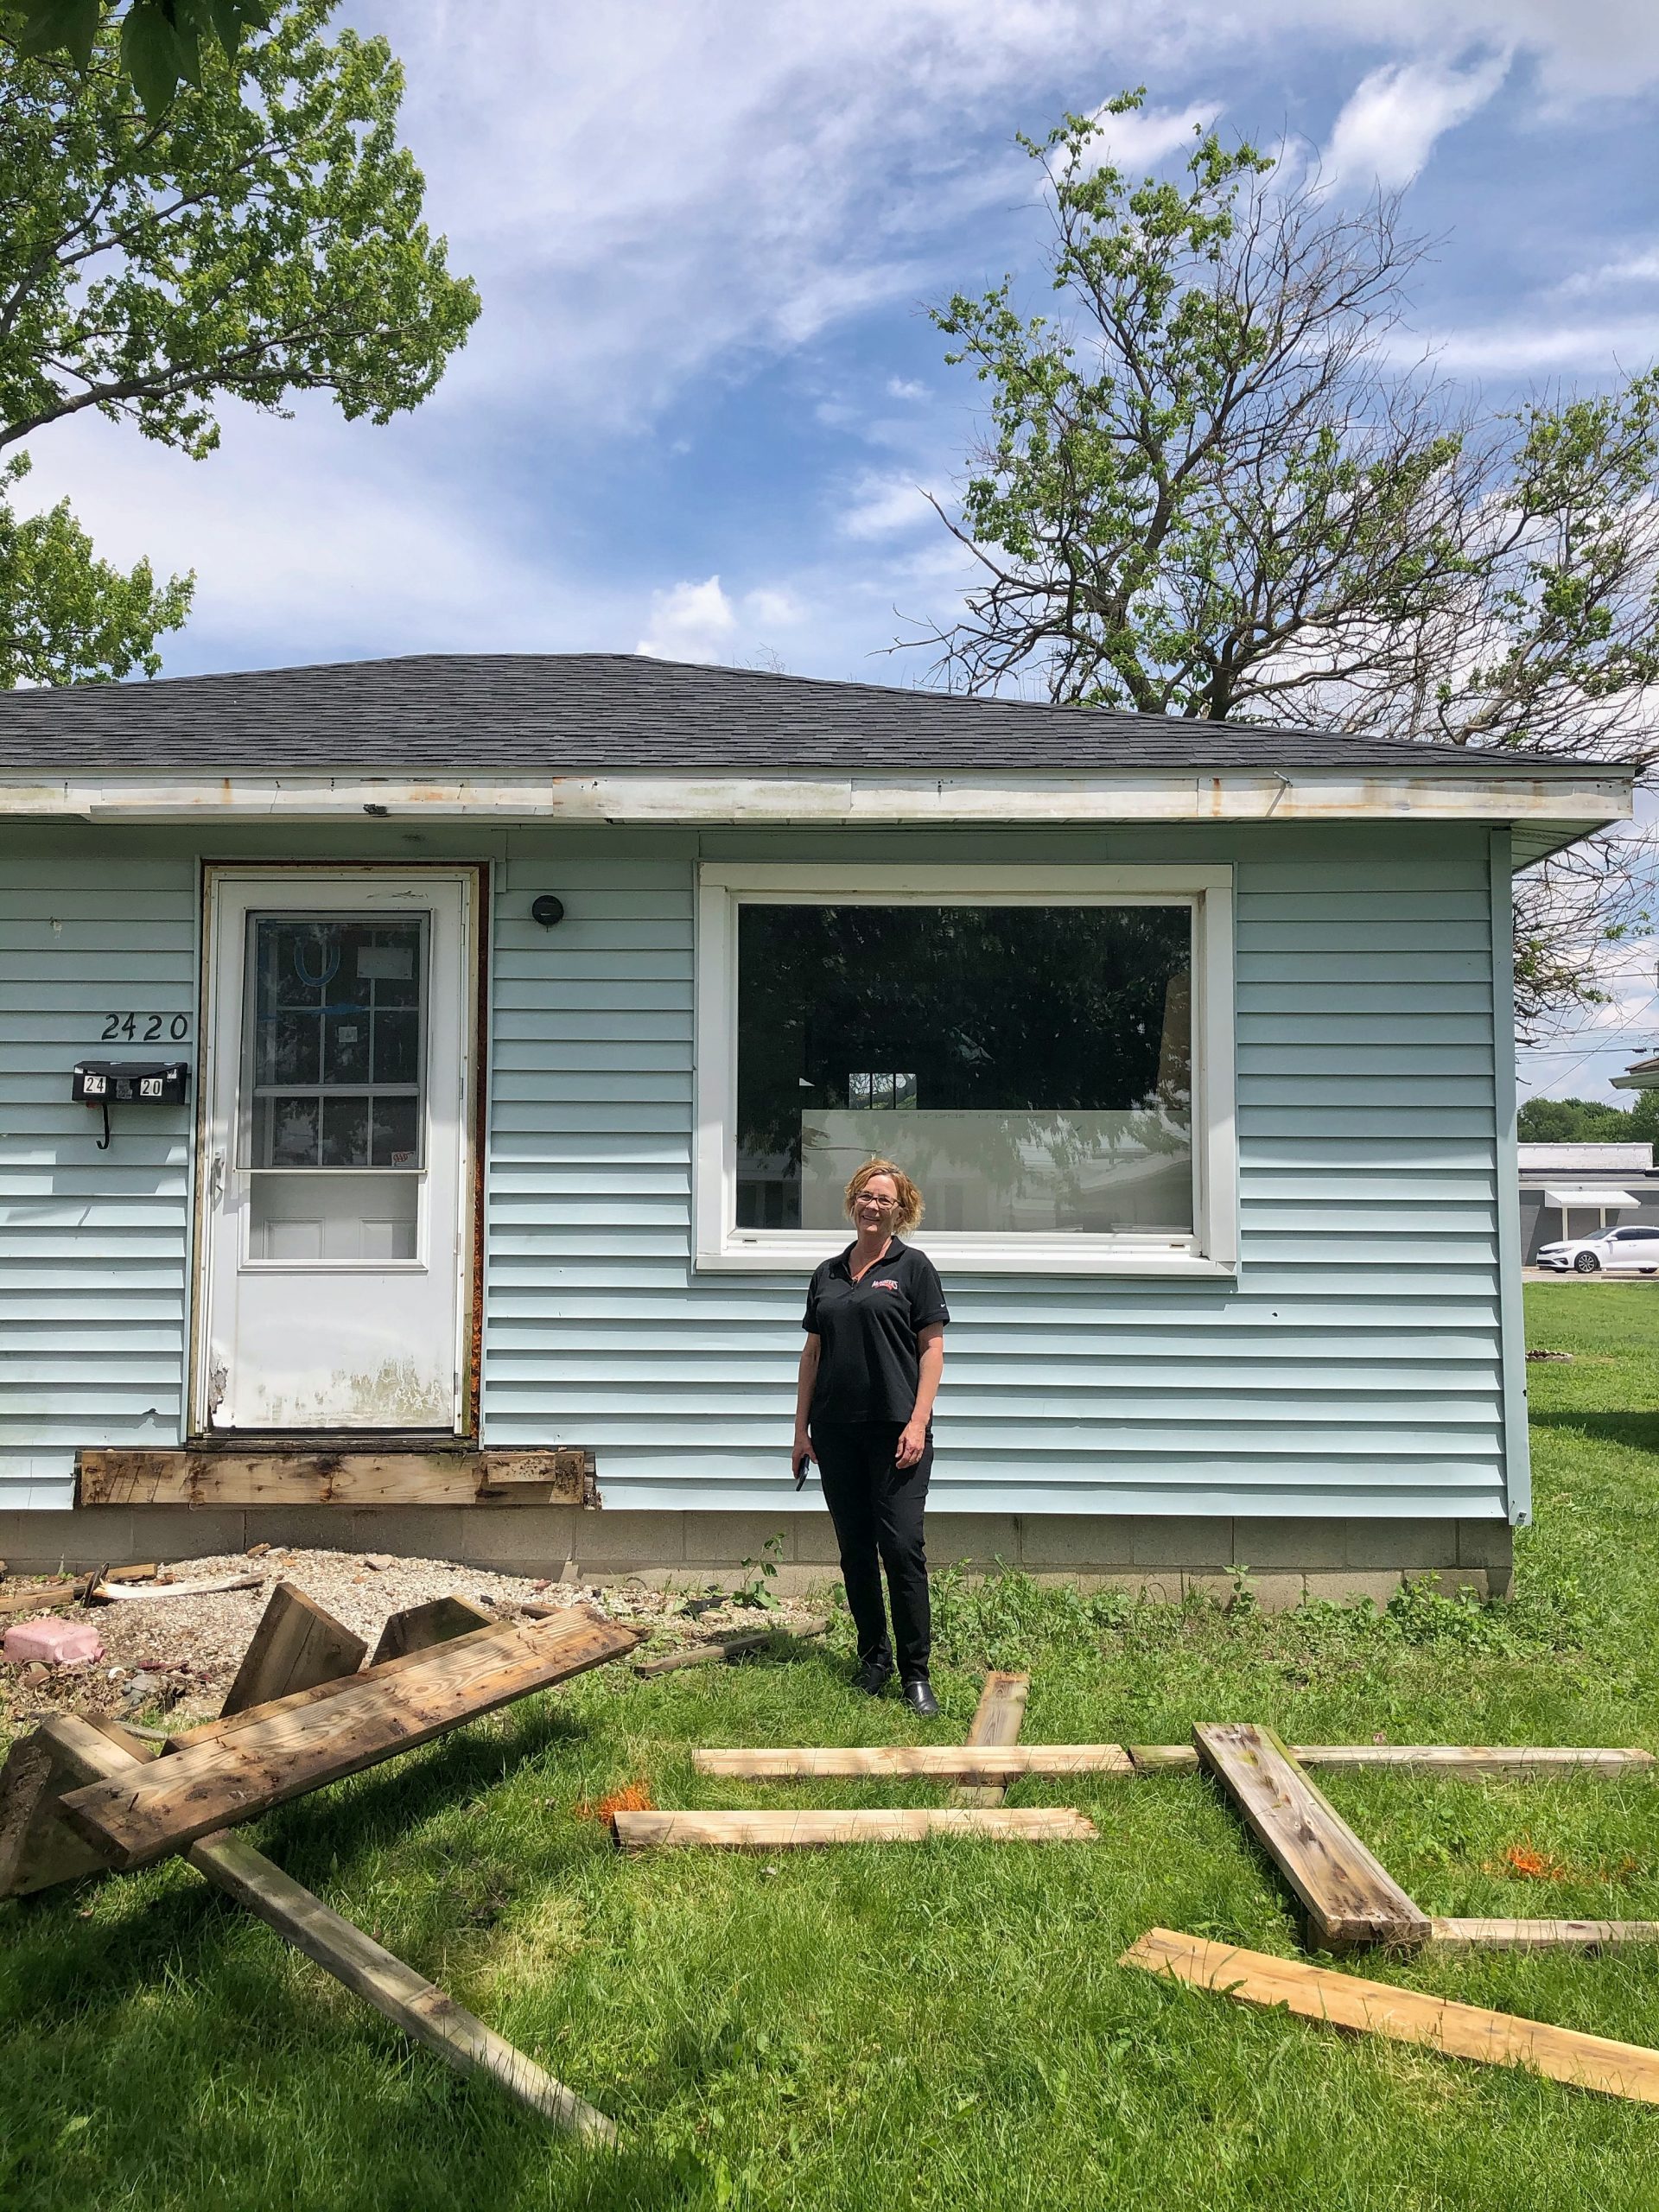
x: 865, y: 1200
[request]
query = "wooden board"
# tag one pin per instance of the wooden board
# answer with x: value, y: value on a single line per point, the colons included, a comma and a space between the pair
x: 1343, y: 2001
x: 245, y: 1772
x: 946, y: 1761
x: 296, y: 1646
x: 47, y: 1598
x: 1349, y: 1897
x: 196, y: 1477
x: 1541, y: 1935
x: 1520, y: 1761
x: 995, y: 1725
x: 417, y: 1627
x: 1517, y: 1760
x: 730, y: 1646
x: 405, y: 1998
x: 809, y: 1831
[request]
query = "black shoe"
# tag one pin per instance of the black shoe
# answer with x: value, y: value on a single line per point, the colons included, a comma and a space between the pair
x: 873, y: 1677
x: 918, y: 1696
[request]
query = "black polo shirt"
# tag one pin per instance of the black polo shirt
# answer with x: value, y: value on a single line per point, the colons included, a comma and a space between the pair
x: 870, y: 1364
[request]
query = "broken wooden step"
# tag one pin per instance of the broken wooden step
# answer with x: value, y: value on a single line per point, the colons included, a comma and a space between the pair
x: 949, y: 1762
x: 296, y: 1646
x: 1344, y: 2000
x: 90, y: 1752
x: 417, y: 1627
x: 245, y: 1770
x: 812, y: 1831
x: 1349, y: 1895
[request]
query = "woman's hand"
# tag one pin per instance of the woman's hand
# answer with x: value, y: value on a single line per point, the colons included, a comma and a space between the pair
x: 913, y: 1442
x: 802, y: 1457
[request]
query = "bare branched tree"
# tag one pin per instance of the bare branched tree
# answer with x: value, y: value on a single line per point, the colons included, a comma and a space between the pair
x: 1225, y: 485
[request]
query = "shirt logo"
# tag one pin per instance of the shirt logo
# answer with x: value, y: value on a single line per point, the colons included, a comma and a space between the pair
x: 887, y: 1283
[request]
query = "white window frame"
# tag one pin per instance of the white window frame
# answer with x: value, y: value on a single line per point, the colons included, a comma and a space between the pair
x: 723, y: 887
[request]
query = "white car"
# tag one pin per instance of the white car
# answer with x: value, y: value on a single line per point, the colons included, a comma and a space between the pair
x: 1613, y: 1252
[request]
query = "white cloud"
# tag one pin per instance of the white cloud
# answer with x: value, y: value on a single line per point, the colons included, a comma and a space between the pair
x: 1140, y: 139
x: 882, y: 506
x: 1387, y: 129
x: 905, y: 388
x: 690, y: 622
x: 1626, y: 269
x: 1535, y: 347
x: 767, y: 608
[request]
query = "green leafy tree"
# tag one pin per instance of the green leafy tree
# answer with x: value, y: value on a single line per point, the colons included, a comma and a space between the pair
x: 255, y: 247
x: 1211, y: 486
x: 161, y: 40
x: 1590, y: 1121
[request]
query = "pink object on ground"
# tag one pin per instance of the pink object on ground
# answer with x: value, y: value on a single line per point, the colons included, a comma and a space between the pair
x: 60, y: 1644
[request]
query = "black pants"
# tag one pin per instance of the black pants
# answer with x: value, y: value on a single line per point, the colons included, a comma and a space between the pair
x: 877, y: 1509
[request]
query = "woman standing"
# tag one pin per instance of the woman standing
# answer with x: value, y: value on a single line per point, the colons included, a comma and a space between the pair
x: 870, y: 1368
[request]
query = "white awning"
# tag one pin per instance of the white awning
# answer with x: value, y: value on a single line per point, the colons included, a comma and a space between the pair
x: 1608, y: 1198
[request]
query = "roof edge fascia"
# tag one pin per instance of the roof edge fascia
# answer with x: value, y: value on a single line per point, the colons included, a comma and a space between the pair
x: 1574, y: 797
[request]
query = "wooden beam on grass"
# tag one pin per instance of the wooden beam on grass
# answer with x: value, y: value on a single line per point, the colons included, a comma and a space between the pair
x: 1520, y: 1762
x: 719, y: 1647
x: 1344, y: 2000
x: 1349, y: 1897
x: 246, y: 1770
x: 996, y: 1725
x: 1541, y: 1935
x: 810, y: 1831
x: 296, y: 1646
x: 366, y: 1967
x: 947, y: 1762
x: 417, y: 1627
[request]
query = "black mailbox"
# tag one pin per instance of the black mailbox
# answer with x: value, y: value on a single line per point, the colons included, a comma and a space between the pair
x: 122, y: 1083
x: 119, y: 1083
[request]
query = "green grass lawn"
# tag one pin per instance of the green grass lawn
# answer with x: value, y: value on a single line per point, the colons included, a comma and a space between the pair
x: 935, y: 2025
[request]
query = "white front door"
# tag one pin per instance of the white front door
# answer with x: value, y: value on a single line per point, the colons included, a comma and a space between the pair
x: 337, y: 1200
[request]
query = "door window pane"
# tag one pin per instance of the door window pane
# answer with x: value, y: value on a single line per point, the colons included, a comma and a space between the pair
x: 335, y: 1045
x: 1029, y: 1066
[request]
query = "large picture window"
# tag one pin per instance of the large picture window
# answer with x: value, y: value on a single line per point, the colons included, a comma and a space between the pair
x: 1042, y: 1050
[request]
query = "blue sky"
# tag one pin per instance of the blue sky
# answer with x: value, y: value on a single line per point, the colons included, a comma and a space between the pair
x: 697, y: 412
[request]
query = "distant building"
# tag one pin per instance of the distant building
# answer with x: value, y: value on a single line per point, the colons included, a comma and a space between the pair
x: 1577, y: 1190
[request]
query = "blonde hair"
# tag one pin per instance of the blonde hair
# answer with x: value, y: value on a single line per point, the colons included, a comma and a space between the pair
x: 909, y: 1199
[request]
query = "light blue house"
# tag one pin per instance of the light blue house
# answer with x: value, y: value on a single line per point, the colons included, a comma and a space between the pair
x: 472, y: 1051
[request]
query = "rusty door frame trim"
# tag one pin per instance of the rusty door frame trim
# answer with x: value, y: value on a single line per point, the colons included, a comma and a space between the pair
x: 194, y: 1426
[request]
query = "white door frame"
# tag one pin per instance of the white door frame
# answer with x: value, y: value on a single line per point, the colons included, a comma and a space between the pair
x: 220, y: 1027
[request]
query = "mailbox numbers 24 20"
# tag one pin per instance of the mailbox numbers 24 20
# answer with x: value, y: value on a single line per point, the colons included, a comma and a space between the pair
x: 146, y: 1028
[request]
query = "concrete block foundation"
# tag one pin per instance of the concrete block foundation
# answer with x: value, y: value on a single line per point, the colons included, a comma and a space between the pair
x: 1161, y: 1558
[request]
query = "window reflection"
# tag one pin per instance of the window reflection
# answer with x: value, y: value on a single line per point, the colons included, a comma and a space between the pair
x: 1031, y: 1066
x: 335, y: 1045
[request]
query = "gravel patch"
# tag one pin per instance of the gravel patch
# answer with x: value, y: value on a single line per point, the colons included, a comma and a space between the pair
x: 171, y: 1660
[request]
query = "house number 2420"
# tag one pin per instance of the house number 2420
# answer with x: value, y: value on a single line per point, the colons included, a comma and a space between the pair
x: 146, y: 1028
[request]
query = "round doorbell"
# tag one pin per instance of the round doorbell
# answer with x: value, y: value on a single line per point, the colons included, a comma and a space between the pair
x: 547, y: 910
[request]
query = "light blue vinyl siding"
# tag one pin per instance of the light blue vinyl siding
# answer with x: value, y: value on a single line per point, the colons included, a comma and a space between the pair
x: 1354, y: 1370
x: 94, y: 1246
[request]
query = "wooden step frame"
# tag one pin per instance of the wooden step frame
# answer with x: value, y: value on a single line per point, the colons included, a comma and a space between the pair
x: 223, y: 1476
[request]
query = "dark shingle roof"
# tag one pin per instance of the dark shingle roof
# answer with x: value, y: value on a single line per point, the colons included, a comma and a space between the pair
x: 580, y: 714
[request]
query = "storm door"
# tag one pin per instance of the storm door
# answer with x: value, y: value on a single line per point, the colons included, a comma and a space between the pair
x: 337, y: 1200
